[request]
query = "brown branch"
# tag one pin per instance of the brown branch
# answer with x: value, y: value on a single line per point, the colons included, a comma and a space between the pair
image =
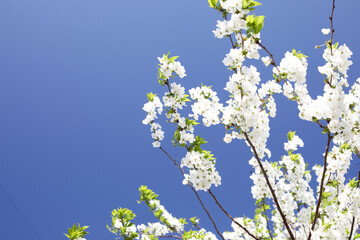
x: 332, y: 26
x: 177, y: 165
x: 242, y: 40
x: 169, y: 236
x: 270, y: 54
x: 270, y: 187
x: 232, y: 43
x: 329, y: 137
x: 330, y: 42
x: 321, y: 185
x: 320, y: 125
x: 353, y: 220
x: 232, y: 219
x: 357, y: 153
x: 168, y: 85
x: 207, y: 212
x: 197, y: 195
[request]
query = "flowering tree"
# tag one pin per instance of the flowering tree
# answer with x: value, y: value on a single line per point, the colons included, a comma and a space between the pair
x: 286, y: 205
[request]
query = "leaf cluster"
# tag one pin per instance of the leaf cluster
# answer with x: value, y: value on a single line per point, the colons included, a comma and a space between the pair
x: 254, y: 24
x: 76, y: 232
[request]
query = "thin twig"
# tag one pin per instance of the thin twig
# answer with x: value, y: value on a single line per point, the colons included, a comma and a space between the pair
x: 207, y: 212
x: 332, y: 26
x: 270, y: 187
x: 329, y: 137
x: 332, y: 34
x: 232, y: 43
x: 320, y: 125
x: 321, y: 184
x: 167, y: 154
x: 270, y: 54
x: 197, y: 195
x: 169, y: 236
x: 168, y: 85
x: 227, y: 214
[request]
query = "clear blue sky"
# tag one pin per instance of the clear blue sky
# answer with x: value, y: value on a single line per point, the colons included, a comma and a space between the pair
x: 73, y: 78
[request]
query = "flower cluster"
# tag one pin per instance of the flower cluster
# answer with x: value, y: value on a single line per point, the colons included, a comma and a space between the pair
x: 171, y: 221
x: 337, y: 62
x: 247, y: 43
x: 202, y: 170
x: 168, y: 66
x: 226, y: 28
x: 293, y: 67
x: 206, y: 105
x: 154, y: 107
x: 244, y: 110
x: 119, y: 224
x: 175, y: 99
x: 156, y: 229
x: 234, y: 58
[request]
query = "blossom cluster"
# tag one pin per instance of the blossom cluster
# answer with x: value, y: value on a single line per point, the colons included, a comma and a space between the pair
x: 156, y: 229
x: 237, y: 21
x: 202, y: 170
x: 206, y: 105
x: 172, y: 221
x: 154, y: 107
x: 169, y: 66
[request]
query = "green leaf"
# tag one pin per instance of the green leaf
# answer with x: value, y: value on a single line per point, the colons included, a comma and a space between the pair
x: 254, y: 24
x: 172, y: 59
x: 298, y: 54
x: 150, y: 96
x: 290, y: 135
x: 76, y: 232
x: 353, y: 183
x: 327, y: 226
x: 259, y: 23
x: 344, y: 147
x: 213, y: 3
x: 250, y: 4
x: 294, y: 157
x: 326, y: 194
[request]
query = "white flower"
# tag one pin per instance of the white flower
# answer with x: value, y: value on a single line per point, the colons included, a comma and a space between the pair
x: 266, y: 60
x: 118, y: 223
x: 293, y: 144
x: 325, y: 31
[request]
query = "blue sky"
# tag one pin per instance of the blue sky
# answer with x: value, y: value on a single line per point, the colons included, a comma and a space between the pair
x: 73, y: 79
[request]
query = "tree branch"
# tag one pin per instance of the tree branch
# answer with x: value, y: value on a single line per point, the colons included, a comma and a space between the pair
x: 332, y: 26
x: 232, y: 219
x: 321, y: 185
x: 169, y: 236
x: 270, y: 54
x: 197, y: 195
x: 270, y: 187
